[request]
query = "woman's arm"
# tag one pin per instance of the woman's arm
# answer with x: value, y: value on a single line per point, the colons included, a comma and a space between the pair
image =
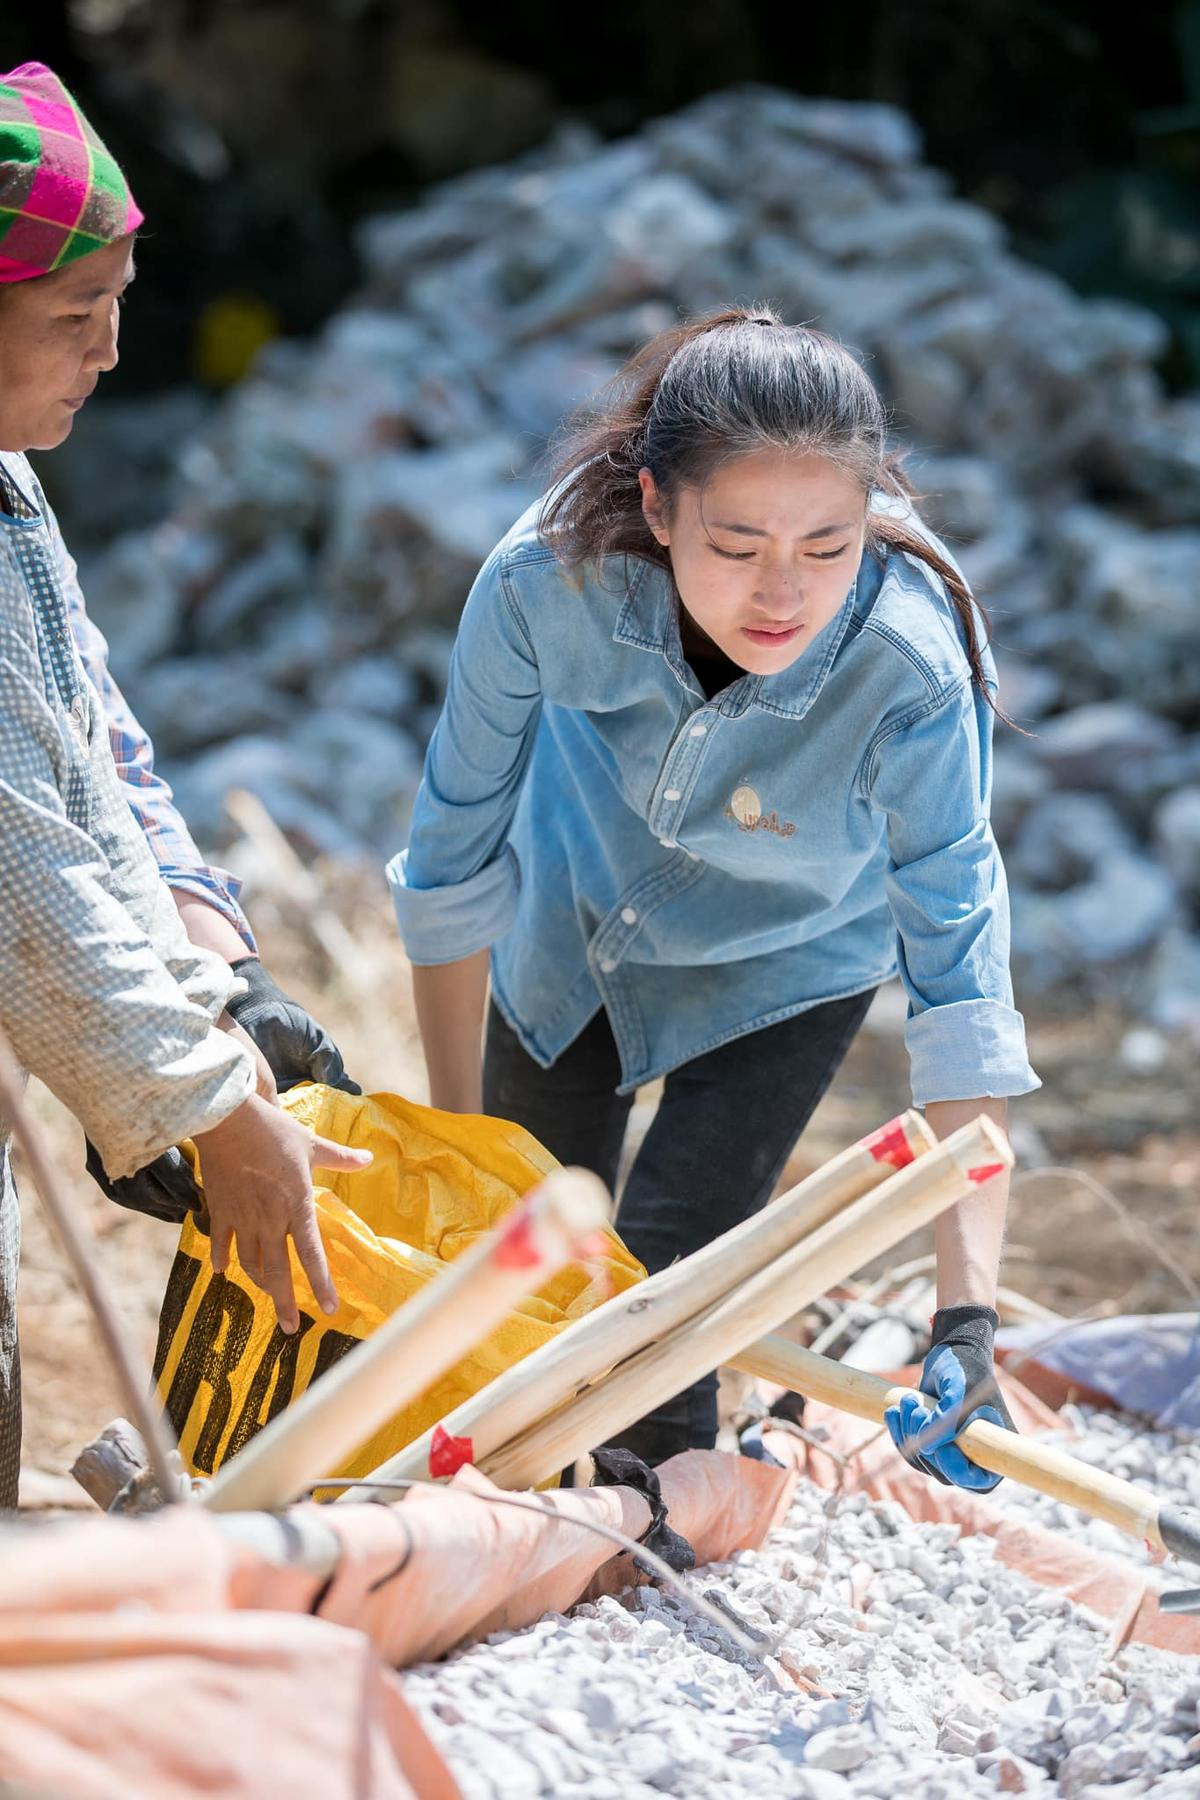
x: 931, y: 778
x: 969, y: 1238
x: 456, y: 887
x: 450, y: 998
x: 208, y: 927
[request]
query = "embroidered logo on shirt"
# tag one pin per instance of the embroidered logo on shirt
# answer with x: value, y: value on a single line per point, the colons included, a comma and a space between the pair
x: 745, y: 809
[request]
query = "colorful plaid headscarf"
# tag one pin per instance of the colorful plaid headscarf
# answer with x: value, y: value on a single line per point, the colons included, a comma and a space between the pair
x: 61, y: 193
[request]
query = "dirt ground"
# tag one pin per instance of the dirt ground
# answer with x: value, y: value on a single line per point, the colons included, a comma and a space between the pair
x: 1102, y: 1213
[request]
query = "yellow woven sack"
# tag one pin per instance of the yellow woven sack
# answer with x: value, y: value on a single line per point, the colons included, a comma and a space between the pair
x: 224, y: 1368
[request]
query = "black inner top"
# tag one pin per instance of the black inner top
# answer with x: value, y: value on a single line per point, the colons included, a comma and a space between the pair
x: 708, y: 662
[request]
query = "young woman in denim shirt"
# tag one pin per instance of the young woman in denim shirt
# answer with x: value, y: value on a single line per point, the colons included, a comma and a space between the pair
x: 715, y: 762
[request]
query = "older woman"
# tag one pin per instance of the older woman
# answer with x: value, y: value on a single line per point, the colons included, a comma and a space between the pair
x: 103, y: 993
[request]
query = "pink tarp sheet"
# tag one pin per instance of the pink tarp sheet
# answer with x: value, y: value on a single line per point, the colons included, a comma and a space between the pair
x: 477, y: 1567
x: 160, y: 1657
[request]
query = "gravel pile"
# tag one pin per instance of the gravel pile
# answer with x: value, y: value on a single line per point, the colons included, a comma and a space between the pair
x: 957, y: 1676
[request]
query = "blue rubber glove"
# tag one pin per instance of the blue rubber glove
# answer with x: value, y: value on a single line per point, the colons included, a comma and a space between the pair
x: 959, y: 1369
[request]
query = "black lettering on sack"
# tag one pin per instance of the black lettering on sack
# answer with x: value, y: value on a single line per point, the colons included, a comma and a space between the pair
x: 331, y: 1349
x: 280, y: 1358
x: 180, y: 1283
x: 202, y: 1361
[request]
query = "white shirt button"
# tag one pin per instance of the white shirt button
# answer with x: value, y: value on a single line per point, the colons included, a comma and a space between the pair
x: 698, y: 731
x: 629, y: 915
x: 668, y: 843
x: 672, y: 794
x: 606, y: 968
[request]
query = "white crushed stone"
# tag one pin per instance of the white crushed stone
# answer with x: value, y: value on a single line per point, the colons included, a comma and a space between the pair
x: 959, y: 1677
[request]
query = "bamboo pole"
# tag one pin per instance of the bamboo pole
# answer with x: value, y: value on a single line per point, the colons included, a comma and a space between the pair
x: 416, y: 1345
x: 82, y: 1253
x: 1134, y: 1510
x: 864, y: 1230
x: 629, y: 1321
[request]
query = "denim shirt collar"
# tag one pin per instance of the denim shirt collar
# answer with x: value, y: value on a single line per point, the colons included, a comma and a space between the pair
x: 649, y: 620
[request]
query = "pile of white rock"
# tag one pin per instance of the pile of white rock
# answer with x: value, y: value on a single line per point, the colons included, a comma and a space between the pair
x: 956, y: 1677
x: 288, y: 625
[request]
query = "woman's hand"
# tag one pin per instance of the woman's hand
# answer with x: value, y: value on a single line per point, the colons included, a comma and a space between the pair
x: 257, y: 1167
x: 960, y: 1380
x: 959, y: 1375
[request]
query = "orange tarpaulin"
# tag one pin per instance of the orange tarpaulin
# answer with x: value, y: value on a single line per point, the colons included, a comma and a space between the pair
x: 161, y: 1657
x: 170, y: 1705
x: 477, y: 1567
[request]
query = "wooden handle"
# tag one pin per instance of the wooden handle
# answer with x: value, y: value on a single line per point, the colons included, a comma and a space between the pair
x: 538, y: 1384
x: 1048, y: 1471
x: 908, y: 1200
x: 416, y: 1345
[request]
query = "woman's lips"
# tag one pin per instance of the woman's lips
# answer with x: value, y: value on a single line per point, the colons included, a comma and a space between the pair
x: 772, y: 639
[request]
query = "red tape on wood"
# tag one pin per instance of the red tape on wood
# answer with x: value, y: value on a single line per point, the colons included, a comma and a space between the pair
x: 984, y: 1172
x: 448, y: 1454
x: 890, y: 1145
x: 517, y: 1248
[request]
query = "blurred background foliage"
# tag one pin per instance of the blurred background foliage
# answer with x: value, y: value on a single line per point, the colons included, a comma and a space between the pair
x: 260, y: 130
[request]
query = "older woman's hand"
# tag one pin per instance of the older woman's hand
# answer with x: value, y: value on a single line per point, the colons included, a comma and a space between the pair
x: 257, y: 1166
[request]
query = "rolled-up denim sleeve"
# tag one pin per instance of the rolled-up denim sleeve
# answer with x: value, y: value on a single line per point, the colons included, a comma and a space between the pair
x: 930, y: 775
x: 455, y: 887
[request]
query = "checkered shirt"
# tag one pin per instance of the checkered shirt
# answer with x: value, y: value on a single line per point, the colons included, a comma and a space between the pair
x: 102, y: 995
x: 149, y: 795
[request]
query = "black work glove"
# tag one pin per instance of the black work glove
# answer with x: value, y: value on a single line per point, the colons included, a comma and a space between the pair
x: 164, y: 1189
x: 621, y: 1468
x: 959, y: 1376
x: 297, y: 1048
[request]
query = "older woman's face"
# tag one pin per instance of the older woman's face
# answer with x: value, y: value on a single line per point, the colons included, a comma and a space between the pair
x: 58, y: 333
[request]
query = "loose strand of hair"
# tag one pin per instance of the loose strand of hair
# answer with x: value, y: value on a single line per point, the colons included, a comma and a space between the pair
x: 894, y: 534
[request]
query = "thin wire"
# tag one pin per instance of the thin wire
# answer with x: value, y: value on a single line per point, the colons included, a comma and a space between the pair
x: 759, y: 1647
x: 1023, y: 1177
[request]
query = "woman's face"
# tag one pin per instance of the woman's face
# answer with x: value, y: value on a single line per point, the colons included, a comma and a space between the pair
x: 765, y: 554
x: 58, y: 333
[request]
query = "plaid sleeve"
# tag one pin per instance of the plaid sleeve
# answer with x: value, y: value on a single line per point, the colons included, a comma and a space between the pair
x: 149, y: 795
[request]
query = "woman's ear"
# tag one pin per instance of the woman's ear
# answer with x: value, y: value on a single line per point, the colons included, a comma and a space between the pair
x: 652, y: 507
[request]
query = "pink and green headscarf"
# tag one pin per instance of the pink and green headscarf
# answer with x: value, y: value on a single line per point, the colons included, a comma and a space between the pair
x: 61, y: 193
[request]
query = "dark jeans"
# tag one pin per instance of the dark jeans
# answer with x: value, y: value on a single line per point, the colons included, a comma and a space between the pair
x: 724, y: 1128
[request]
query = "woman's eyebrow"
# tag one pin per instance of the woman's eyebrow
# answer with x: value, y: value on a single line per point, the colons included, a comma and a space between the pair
x: 754, y: 531
x: 93, y: 294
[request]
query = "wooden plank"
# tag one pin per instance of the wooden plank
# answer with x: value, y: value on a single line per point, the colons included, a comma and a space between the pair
x: 626, y: 1323
x: 911, y: 1198
x: 419, y: 1343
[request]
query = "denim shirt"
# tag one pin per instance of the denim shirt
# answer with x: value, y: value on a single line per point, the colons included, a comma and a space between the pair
x: 706, y: 867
